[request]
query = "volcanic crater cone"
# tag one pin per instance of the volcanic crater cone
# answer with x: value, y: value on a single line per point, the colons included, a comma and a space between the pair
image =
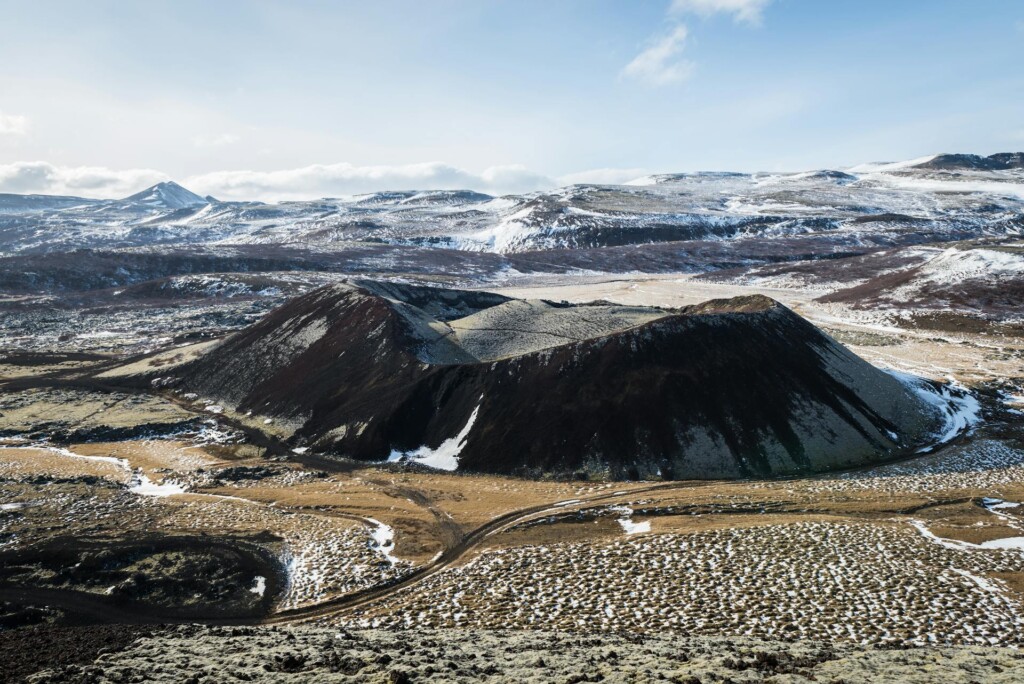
x: 730, y: 388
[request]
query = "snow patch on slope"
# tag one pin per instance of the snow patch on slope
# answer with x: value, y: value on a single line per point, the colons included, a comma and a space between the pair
x: 957, y: 545
x: 508, y: 233
x: 881, y: 167
x: 643, y: 181
x: 957, y: 265
x: 445, y: 456
x: 957, y: 407
x: 1006, y: 188
x: 139, y: 483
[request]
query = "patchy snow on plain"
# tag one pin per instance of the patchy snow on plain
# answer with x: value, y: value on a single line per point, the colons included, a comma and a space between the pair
x: 986, y: 464
x: 325, y: 557
x: 870, y: 584
x: 981, y: 582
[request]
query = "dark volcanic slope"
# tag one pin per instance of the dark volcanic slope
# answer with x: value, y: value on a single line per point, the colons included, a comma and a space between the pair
x: 730, y: 388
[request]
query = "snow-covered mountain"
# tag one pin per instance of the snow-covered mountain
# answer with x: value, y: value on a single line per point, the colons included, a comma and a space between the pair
x: 933, y: 199
x: 30, y: 204
x: 168, y: 195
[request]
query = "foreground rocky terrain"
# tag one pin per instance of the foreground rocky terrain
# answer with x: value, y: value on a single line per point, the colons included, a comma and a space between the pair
x: 190, y: 487
x: 330, y: 655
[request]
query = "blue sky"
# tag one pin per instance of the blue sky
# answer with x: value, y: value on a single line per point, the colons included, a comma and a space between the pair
x: 276, y: 99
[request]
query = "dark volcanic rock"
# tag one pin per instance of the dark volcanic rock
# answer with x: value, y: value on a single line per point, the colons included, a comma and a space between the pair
x: 47, y: 647
x: 729, y: 388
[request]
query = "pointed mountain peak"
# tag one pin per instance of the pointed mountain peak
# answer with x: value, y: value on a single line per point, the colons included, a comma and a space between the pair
x: 168, y: 195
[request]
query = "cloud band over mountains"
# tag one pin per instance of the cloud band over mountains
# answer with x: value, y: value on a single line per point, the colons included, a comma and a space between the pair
x: 307, y: 182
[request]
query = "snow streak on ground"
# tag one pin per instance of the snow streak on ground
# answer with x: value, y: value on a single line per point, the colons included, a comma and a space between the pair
x: 138, y: 483
x: 1004, y: 543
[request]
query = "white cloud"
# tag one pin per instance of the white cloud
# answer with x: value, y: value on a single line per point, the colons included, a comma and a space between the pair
x: 602, y: 176
x: 749, y: 11
x: 90, y: 181
x: 216, y: 141
x: 659, y: 64
x: 307, y: 182
x: 326, y: 180
x: 12, y: 124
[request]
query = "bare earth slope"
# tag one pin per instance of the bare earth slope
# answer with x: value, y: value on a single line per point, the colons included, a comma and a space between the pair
x: 729, y: 388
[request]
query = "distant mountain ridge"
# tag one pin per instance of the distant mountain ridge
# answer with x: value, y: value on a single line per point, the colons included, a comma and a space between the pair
x: 169, y: 195
x: 1002, y: 161
x: 10, y: 202
x: 175, y: 195
x: 939, y: 198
